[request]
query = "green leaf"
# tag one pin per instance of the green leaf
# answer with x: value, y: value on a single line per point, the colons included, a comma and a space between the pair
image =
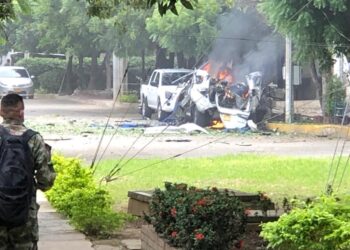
x: 150, y: 3
x: 187, y: 4
x: 162, y: 9
x: 174, y: 10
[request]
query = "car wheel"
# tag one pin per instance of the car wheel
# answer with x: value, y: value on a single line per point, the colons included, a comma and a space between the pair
x: 199, y: 118
x: 161, y: 115
x: 146, y: 112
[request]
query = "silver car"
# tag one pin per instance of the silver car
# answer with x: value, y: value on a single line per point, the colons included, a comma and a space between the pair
x: 15, y: 79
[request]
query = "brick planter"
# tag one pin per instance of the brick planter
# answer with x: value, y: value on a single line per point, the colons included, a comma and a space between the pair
x: 151, y: 241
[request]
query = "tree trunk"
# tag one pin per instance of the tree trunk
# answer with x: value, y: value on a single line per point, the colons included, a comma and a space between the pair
x: 67, y: 81
x: 93, y: 71
x: 181, y: 61
x: 81, y: 79
x: 191, y: 62
x: 317, y: 80
x: 108, y: 70
x: 143, y: 65
x: 171, y: 60
x: 161, y: 60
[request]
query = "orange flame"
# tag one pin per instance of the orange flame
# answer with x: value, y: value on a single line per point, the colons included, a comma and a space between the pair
x: 224, y: 74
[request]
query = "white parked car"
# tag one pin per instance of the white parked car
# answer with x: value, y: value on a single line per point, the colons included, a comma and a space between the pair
x: 15, y: 79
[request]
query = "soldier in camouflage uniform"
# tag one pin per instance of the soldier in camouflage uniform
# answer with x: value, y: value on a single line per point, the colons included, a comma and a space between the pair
x: 26, y: 237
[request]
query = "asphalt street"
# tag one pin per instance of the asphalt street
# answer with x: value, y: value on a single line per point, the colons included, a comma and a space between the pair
x: 54, y: 109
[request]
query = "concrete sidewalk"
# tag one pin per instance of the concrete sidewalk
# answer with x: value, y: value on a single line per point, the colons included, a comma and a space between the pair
x: 55, y: 233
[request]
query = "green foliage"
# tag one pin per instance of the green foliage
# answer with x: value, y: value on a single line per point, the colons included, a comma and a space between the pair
x: 91, y: 212
x: 321, y: 225
x: 335, y: 95
x: 129, y: 98
x: 191, y: 33
x: 50, y: 81
x: 318, y: 28
x: 48, y: 72
x: 6, y: 10
x: 76, y: 195
x: 105, y: 8
x: 193, y: 218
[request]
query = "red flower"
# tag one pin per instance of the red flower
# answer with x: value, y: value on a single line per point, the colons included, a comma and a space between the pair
x: 247, y: 211
x: 173, y: 212
x: 174, y: 234
x: 201, y: 202
x: 199, y: 236
x: 239, y: 244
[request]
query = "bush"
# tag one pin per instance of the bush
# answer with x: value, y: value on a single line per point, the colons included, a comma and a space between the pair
x: 50, y: 81
x: 129, y: 98
x: 76, y: 195
x: 335, y: 95
x: 323, y: 224
x: 48, y: 72
x: 193, y: 218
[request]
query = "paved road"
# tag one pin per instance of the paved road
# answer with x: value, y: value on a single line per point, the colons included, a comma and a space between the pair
x: 46, y: 109
x: 53, y: 106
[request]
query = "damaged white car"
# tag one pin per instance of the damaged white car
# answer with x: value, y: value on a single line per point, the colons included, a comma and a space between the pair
x: 204, y: 99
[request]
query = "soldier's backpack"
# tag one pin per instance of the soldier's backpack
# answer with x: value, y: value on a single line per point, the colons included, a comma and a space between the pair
x: 16, y: 177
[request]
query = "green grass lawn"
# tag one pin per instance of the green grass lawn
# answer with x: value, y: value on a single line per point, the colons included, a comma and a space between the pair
x: 277, y: 176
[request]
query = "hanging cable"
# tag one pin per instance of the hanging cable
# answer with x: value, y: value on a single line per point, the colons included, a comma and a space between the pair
x: 329, y: 183
x: 105, y: 128
x: 344, y: 171
x: 208, y: 143
x: 110, y: 140
x: 116, y: 168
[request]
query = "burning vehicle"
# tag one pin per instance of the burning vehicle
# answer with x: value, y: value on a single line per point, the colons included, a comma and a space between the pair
x: 243, y: 103
x: 204, y: 99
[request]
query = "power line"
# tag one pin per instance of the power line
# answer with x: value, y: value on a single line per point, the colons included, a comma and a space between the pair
x: 341, y: 152
x: 110, y: 141
x: 300, y: 10
x: 205, y: 144
x: 118, y: 169
x: 105, y: 128
x: 335, y: 28
x: 344, y: 171
x: 311, y: 44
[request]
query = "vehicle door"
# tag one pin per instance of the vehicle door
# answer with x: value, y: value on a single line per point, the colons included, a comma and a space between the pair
x: 153, y: 90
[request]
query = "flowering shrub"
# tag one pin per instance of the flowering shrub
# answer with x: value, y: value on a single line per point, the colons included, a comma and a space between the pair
x: 193, y: 218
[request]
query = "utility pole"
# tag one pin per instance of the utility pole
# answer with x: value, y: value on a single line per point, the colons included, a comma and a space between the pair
x: 289, y: 107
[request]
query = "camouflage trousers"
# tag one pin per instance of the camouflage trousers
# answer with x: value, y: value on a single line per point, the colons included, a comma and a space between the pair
x: 23, y: 237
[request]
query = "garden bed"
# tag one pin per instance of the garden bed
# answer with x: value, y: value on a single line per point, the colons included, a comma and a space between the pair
x: 150, y: 240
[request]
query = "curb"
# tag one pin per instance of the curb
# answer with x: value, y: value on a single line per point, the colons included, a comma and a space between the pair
x: 320, y: 130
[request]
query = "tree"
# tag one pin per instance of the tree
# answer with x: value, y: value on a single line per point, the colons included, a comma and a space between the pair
x: 189, y: 35
x: 318, y: 28
x: 132, y: 36
x: 105, y: 8
x: 62, y: 26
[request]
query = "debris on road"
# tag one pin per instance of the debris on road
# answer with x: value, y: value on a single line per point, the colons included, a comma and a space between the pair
x: 187, y: 128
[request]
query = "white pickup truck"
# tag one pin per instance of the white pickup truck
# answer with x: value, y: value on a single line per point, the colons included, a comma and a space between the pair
x: 156, y: 94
